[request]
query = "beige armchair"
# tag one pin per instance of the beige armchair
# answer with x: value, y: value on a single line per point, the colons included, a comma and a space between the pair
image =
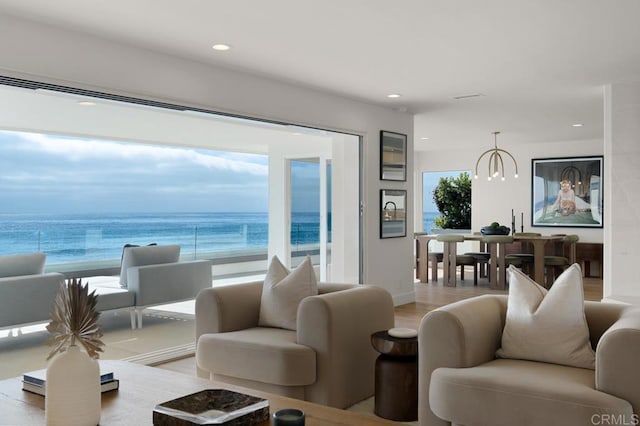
x: 462, y: 382
x: 328, y: 359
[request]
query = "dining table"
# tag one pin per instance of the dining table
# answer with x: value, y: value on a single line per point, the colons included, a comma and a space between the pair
x: 497, y: 257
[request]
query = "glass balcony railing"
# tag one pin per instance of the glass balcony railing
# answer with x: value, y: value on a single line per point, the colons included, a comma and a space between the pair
x: 95, y: 242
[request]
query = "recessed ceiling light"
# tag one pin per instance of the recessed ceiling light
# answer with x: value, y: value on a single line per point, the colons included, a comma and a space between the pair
x: 424, y: 138
x: 86, y: 103
x: 221, y: 47
x: 394, y: 95
x: 577, y: 125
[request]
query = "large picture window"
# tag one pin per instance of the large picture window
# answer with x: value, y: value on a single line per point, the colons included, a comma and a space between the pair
x: 81, y: 200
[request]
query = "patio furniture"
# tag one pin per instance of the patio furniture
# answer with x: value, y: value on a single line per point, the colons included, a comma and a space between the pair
x: 26, y: 291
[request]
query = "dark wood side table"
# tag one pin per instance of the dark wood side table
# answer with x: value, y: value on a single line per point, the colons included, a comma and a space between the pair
x: 396, y: 377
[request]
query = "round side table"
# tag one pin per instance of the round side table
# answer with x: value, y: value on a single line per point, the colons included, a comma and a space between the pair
x: 396, y: 377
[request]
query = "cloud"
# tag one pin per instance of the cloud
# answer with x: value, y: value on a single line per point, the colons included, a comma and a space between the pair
x: 57, y: 173
x: 89, y: 150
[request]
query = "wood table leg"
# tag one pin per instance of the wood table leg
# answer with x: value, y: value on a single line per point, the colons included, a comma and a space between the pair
x: 449, y: 263
x: 502, y: 278
x: 493, y: 267
x: 538, y: 261
x: 453, y: 252
x: 422, y: 268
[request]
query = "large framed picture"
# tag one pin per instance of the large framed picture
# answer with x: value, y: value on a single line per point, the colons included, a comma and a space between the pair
x: 567, y: 192
x: 393, y: 156
x: 393, y: 213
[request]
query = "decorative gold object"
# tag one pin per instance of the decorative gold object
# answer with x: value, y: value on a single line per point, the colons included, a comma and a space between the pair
x: 74, y: 320
x: 496, y: 164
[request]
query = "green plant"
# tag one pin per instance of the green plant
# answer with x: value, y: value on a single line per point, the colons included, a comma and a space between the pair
x: 452, y: 196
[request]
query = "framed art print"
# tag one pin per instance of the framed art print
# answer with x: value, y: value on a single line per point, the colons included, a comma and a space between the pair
x: 567, y: 192
x: 393, y: 213
x: 393, y: 156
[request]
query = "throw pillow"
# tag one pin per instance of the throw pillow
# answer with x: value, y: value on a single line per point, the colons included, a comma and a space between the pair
x: 283, y: 291
x: 547, y: 326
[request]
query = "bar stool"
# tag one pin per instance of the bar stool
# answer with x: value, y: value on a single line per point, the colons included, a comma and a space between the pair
x: 450, y: 259
x: 554, y: 265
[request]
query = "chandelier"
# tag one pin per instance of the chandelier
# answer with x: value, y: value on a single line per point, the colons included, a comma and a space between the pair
x: 496, y: 164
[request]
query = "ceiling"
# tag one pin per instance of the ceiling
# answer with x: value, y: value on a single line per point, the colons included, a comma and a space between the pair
x: 539, y: 66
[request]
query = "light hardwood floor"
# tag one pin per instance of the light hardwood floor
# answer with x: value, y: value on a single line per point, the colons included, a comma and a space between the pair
x: 428, y: 297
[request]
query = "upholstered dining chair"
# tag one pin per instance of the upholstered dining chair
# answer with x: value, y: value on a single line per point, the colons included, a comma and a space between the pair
x: 554, y: 265
x: 434, y: 257
x: 493, y: 242
x: 527, y: 252
x: 482, y: 261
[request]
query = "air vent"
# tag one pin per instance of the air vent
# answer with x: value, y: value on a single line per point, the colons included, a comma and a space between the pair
x: 467, y: 96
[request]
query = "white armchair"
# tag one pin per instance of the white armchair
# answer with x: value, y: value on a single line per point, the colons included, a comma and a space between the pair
x: 328, y: 359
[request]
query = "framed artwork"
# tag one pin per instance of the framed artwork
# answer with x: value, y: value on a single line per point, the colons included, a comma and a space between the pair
x: 567, y: 192
x: 393, y: 213
x: 393, y: 156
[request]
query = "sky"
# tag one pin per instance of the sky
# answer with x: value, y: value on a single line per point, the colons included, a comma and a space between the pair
x: 59, y: 174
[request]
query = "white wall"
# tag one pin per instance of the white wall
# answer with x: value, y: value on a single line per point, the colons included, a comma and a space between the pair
x: 622, y: 204
x: 492, y: 201
x: 43, y: 53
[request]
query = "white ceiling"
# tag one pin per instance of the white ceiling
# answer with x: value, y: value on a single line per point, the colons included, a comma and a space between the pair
x: 540, y: 64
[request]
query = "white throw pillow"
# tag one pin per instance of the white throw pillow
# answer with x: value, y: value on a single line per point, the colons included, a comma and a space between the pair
x: 283, y: 291
x: 547, y: 326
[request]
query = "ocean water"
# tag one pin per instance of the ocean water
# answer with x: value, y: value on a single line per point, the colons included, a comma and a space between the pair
x: 427, y: 220
x: 88, y: 237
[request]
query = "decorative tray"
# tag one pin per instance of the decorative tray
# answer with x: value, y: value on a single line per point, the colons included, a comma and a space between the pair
x: 212, y: 407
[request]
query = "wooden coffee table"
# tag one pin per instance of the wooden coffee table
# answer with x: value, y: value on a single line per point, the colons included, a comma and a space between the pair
x: 141, y: 388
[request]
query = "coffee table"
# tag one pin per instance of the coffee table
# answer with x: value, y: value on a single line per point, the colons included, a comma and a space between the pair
x: 142, y: 387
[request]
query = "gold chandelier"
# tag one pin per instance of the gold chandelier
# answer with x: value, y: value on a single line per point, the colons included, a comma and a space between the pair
x: 496, y: 164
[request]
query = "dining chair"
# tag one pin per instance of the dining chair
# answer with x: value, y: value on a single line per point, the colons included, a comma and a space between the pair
x: 434, y: 259
x: 496, y: 243
x: 482, y: 261
x: 526, y: 256
x: 554, y: 265
x: 460, y: 259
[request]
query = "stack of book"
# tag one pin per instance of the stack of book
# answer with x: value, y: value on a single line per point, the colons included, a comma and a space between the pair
x: 35, y: 382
